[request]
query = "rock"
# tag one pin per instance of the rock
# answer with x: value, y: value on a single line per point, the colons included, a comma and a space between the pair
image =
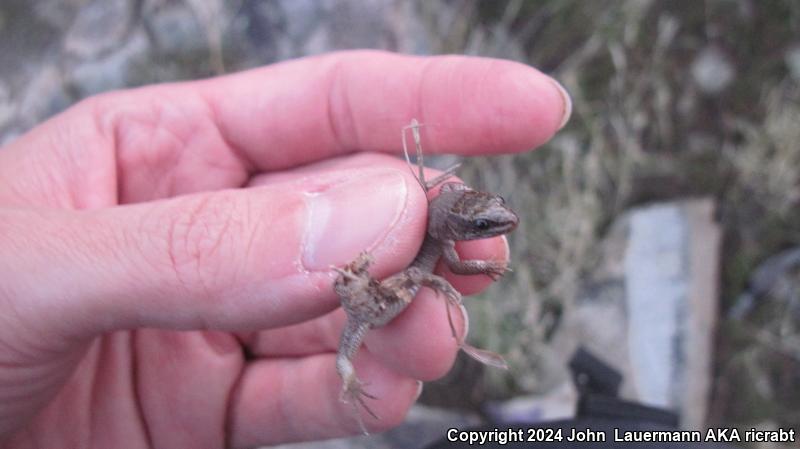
x: 650, y: 307
x: 792, y: 59
x: 44, y: 96
x: 114, y: 71
x: 712, y: 71
x: 99, y: 28
x: 291, y: 28
x: 776, y: 279
x: 60, y: 14
x: 6, y: 106
x: 176, y: 30
x: 302, y: 17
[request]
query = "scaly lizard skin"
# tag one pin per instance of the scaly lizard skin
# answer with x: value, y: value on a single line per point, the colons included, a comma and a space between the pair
x: 458, y: 213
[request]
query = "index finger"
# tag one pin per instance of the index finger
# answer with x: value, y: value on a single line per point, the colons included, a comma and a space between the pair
x: 314, y: 108
x: 152, y: 142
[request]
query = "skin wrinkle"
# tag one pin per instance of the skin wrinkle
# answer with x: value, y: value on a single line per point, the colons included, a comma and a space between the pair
x: 284, y: 406
x: 219, y: 237
x: 241, y: 156
x: 53, y: 178
x: 171, y: 252
x: 82, y: 162
x: 110, y: 128
x: 107, y: 140
x: 51, y: 185
x: 115, y: 377
x: 138, y: 388
x: 12, y: 316
x: 20, y: 357
x: 335, y: 91
x: 123, y: 125
x: 146, y: 127
x: 348, y: 135
x: 256, y: 227
x: 96, y: 387
x: 196, y: 135
x: 227, y: 418
x: 183, y: 133
x: 486, y: 79
x: 175, y: 153
x: 93, y: 355
x: 193, y: 257
x: 427, y: 65
x: 139, y: 240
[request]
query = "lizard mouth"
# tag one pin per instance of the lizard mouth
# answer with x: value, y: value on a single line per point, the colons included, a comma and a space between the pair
x: 510, y: 222
x: 507, y: 228
x: 513, y: 222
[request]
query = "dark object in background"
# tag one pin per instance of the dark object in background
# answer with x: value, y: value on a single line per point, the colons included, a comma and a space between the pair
x: 592, y: 375
x: 599, y: 409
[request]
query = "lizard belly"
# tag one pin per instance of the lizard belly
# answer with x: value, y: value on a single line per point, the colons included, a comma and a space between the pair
x: 396, y: 293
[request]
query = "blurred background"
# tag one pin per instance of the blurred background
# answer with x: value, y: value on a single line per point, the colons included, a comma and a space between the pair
x: 659, y: 228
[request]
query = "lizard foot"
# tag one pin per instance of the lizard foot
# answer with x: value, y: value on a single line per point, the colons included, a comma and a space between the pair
x: 484, y: 356
x: 353, y: 393
x: 495, y: 269
x: 355, y: 269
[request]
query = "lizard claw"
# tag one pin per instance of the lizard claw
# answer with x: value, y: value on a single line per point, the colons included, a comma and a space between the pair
x: 342, y: 271
x: 485, y: 356
x: 496, y: 270
x: 353, y: 393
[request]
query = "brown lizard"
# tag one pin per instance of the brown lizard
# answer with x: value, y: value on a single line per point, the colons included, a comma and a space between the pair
x: 457, y: 213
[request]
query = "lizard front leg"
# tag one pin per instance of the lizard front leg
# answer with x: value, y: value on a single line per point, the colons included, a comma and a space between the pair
x: 492, y: 268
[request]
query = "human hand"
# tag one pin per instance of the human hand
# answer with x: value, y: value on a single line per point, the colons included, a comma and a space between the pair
x: 165, y: 251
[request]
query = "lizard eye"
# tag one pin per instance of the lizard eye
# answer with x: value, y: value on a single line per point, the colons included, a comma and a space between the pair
x: 481, y: 224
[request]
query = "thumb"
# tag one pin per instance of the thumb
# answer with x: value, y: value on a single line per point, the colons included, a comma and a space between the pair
x: 229, y: 260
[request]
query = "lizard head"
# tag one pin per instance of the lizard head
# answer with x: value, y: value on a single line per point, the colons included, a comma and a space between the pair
x: 459, y: 213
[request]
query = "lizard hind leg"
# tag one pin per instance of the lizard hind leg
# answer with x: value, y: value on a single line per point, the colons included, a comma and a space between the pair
x: 437, y: 283
x: 482, y: 355
x: 448, y: 173
x: 352, y: 388
x: 440, y: 284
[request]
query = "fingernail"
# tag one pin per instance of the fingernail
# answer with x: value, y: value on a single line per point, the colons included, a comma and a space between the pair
x: 352, y: 217
x: 419, y: 390
x: 566, y: 101
x: 466, y: 322
x: 506, y: 249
